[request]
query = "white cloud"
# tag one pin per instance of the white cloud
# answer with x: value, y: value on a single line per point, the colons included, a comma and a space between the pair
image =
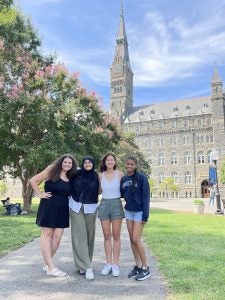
x: 162, y: 51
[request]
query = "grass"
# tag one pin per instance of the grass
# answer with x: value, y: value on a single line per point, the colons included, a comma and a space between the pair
x: 15, y: 231
x: 190, y: 250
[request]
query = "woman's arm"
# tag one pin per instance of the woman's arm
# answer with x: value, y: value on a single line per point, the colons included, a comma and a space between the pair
x: 37, y: 179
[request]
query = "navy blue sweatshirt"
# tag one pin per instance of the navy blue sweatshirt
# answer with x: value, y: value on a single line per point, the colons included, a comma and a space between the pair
x: 135, y: 191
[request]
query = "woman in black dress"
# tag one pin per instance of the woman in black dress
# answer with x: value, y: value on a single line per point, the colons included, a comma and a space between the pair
x: 53, y: 211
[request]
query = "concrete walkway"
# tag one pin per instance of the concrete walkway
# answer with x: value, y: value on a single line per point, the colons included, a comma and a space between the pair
x: 22, y: 278
x: 181, y: 204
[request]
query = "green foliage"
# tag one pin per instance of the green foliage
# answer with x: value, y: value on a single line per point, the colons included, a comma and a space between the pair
x: 222, y: 174
x: 168, y: 184
x: 3, y: 187
x: 44, y: 110
x: 152, y: 184
x: 127, y: 147
x: 198, y: 202
x: 189, y: 251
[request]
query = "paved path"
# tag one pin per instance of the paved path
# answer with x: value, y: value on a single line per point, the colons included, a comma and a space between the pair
x: 22, y: 278
x: 181, y: 204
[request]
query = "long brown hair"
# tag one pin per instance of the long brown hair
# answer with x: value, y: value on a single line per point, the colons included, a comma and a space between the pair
x: 103, y: 165
x: 54, y: 173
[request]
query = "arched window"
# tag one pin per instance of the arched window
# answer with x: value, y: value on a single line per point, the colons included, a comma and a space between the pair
x: 199, y: 122
x: 161, y: 177
x: 161, y: 159
x: 120, y: 89
x: 187, y: 158
x: 209, y: 122
x: 114, y: 90
x: 208, y: 156
x: 174, y: 158
x: 187, y: 177
x: 186, y: 139
x: 174, y: 176
x: 201, y: 157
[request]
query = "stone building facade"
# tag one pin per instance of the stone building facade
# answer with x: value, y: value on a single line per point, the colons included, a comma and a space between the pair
x: 177, y: 136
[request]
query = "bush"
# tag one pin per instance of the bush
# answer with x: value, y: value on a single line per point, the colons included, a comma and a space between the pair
x: 198, y: 202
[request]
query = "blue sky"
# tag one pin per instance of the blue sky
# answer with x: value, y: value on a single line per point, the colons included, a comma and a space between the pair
x: 173, y: 44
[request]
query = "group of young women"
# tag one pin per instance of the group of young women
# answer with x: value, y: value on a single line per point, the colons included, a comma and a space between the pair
x: 72, y: 192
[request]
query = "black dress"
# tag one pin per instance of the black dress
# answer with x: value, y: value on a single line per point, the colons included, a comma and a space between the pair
x: 54, y: 212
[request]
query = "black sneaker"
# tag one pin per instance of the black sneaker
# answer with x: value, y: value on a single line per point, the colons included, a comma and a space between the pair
x: 143, y: 274
x: 134, y: 272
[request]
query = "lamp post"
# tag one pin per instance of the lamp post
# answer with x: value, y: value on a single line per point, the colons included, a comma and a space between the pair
x: 214, y: 156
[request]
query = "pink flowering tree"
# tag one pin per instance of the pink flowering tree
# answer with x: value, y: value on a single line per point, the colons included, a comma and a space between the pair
x: 44, y: 110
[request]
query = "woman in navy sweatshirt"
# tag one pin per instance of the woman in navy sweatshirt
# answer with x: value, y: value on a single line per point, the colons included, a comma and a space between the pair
x: 136, y: 193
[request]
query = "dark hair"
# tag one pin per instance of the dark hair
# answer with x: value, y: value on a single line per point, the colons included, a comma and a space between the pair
x: 103, y: 165
x: 134, y: 176
x: 56, y: 169
x: 132, y: 158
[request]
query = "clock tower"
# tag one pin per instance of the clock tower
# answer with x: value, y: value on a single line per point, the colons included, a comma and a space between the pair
x: 121, y: 75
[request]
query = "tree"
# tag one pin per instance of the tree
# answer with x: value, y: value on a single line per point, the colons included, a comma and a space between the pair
x: 168, y: 184
x: 3, y: 187
x: 44, y: 111
x: 127, y: 147
x: 152, y: 184
x: 222, y: 174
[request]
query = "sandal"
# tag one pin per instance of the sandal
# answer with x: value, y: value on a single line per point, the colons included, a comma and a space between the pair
x: 56, y: 273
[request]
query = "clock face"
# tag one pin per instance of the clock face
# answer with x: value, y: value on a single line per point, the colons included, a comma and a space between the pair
x: 117, y: 69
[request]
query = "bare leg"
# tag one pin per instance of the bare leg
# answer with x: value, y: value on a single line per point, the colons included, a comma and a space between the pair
x: 46, y: 246
x: 56, y: 238
x: 136, y: 240
x: 106, y: 228
x: 130, y: 226
x: 116, y: 229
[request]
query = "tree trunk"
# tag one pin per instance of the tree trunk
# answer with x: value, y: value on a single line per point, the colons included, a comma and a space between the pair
x: 26, y: 194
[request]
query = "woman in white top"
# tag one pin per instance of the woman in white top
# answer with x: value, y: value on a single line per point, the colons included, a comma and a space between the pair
x: 111, y: 212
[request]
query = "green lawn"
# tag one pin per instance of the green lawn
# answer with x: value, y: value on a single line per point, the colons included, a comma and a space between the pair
x: 191, y: 253
x: 15, y: 231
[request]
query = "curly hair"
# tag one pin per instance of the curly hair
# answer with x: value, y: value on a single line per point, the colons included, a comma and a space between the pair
x: 54, y: 173
x: 103, y: 165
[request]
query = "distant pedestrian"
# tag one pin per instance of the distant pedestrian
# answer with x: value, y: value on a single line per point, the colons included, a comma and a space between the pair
x: 111, y: 212
x: 212, y: 194
x: 83, y: 211
x: 53, y: 211
x: 136, y: 193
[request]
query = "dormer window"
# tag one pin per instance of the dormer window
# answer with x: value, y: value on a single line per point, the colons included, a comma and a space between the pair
x: 175, y: 109
x: 205, y: 105
x: 187, y: 107
x: 152, y: 112
x: 141, y: 113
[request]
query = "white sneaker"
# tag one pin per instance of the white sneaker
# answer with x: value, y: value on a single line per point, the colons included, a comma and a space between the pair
x: 89, y: 275
x: 115, y: 270
x: 106, y: 269
x: 82, y: 272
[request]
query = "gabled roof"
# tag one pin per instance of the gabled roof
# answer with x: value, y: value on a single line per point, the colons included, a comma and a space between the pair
x: 172, y: 109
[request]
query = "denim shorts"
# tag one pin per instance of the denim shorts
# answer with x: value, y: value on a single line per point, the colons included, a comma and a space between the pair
x: 135, y: 216
x: 110, y: 209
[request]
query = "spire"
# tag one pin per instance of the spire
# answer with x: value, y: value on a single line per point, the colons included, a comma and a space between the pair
x: 121, y: 40
x: 216, y: 77
x: 121, y: 32
x: 121, y: 4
